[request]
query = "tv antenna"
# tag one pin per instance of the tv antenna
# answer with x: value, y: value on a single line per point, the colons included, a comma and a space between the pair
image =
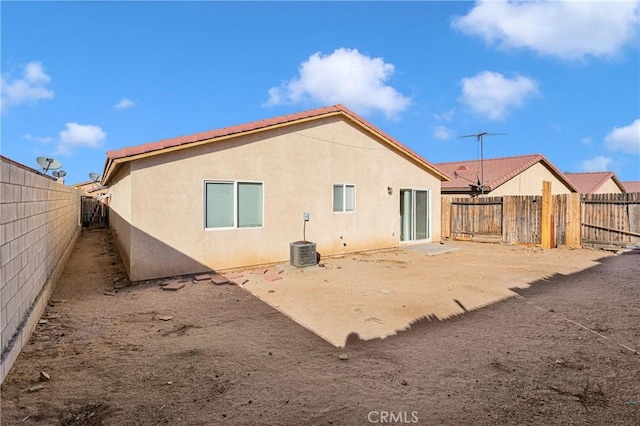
x: 48, y: 163
x: 480, y: 138
x: 59, y: 174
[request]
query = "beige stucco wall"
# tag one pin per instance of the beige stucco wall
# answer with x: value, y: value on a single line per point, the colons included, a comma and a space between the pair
x: 529, y: 182
x: 120, y: 213
x: 298, y: 166
x: 39, y: 224
x: 609, y: 187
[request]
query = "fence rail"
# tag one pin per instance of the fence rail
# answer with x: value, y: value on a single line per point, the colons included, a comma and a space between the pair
x: 481, y: 216
x: 573, y: 220
x: 610, y: 219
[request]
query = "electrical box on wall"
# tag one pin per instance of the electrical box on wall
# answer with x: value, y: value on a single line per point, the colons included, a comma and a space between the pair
x: 305, y: 217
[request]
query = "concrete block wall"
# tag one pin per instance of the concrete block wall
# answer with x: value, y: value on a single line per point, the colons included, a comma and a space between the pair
x: 39, y: 224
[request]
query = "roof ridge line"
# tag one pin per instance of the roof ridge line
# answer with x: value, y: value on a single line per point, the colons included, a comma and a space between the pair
x: 491, y: 159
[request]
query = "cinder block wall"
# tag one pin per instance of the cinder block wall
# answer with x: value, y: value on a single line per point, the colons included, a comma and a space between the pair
x: 39, y: 224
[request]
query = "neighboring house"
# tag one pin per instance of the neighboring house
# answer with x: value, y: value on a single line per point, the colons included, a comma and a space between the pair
x: 91, y: 188
x: 596, y: 183
x: 632, y: 186
x: 521, y: 175
x: 85, y: 186
x: 235, y: 197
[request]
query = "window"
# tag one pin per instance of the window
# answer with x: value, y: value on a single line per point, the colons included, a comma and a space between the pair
x: 233, y: 204
x: 344, y: 198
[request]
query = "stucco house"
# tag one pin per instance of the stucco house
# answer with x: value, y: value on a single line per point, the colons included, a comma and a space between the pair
x: 85, y: 186
x: 519, y: 175
x: 91, y: 188
x: 596, y: 183
x: 236, y: 197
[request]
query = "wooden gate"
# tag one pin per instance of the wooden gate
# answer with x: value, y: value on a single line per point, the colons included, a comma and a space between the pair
x: 477, y: 218
x: 95, y: 213
x: 522, y: 219
x: 610, y: 220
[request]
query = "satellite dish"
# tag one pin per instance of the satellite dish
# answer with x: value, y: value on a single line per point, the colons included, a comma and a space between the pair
x: 59, y: 174
x: 48, y: 163
x: 96, y: 178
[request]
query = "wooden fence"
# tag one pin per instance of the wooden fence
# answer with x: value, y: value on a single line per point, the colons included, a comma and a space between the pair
x: 473, y: 218
x: 610, y: 219
x: 522, y: 219
x: 572, y: 220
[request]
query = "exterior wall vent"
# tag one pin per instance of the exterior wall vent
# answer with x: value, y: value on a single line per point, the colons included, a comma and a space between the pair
x: 302, y: 253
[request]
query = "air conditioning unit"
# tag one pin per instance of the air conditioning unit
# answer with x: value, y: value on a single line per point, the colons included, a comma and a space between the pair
x: 302, y: 253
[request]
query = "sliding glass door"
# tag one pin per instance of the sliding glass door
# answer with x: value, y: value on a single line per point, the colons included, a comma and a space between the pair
x: 414, y: 215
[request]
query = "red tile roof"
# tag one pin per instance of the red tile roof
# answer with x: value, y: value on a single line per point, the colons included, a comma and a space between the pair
x: 466, y: 174
x: 632, y: 185
x: 589, y: 183
x: 118, y: 156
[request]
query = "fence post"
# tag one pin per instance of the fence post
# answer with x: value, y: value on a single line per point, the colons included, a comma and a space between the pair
x: 574, y: 221
x: 509, y: 220
x: 445, y: 212
x: 546, y: 222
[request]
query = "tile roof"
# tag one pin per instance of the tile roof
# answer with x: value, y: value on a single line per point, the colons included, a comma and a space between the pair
x: 632, y: 185
x: 588, y: 183
x: 465, y: 174
x: 84, y: 183
x: 118, y: 156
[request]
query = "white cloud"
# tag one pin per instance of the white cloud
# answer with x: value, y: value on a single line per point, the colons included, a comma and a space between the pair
x: 345, y: 76
x: 40, y: 139
x: 596, y: 164
x: 443, y: 133
x: 445, y: 116
x: 31, y: 87
x: 564, y: 29
x: 491, y: 94
x: 80, y: 135
x: 624, y: 139
x: 124, y: 103
x: 587, y: 140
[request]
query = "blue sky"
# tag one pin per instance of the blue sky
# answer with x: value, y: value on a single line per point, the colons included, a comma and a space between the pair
x: 560, y: 78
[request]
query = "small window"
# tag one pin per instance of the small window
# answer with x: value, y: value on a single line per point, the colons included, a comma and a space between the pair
x: 233, y: 204
x: 344, y: 198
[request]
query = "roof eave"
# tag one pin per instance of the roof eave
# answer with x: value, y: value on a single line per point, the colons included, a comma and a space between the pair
x: 466, y: 190
x: 396, y: 145
x: 110, y: 167
x: 114, y: 160
x: 558, y: 174
x: 618, y: 182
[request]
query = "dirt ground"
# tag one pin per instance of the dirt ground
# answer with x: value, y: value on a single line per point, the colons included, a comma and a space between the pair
x: 378, y: 294
x: 562, y: 351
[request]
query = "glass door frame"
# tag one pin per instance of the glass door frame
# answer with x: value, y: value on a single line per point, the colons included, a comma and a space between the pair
x: 408, y: 225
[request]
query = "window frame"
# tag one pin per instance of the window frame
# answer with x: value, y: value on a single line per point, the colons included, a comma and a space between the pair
x: 235, y: 204
x: 344, y: 198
